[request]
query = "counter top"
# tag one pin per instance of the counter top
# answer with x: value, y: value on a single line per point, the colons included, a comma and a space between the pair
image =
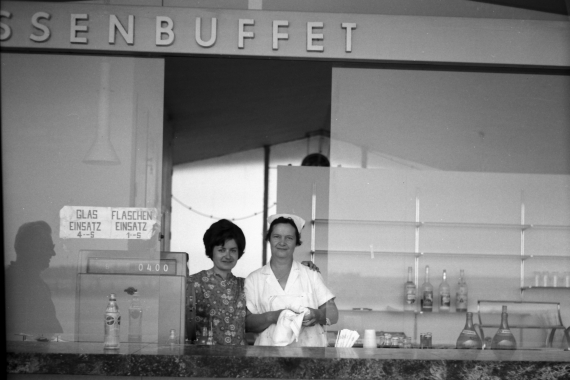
x: 74, y: 358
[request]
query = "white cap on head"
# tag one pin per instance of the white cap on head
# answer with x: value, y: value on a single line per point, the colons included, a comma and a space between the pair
x: 299, y: 222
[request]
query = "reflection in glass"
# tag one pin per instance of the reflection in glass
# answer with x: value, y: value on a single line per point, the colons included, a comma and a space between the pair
x: 29, y: 307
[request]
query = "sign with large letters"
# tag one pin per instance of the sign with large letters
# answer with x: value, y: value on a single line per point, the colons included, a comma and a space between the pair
x: 188, y: 31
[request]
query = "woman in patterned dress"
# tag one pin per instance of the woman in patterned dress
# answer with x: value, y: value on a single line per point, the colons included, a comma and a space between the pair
x: 219, y: 297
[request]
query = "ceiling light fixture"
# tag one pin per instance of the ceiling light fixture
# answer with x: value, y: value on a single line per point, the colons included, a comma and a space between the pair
x: 102, y: 151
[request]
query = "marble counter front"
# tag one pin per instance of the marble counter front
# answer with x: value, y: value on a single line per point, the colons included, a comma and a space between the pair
x: 152, y: 360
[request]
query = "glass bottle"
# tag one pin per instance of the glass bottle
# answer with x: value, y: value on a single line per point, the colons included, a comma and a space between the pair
x: 112, y: 324
x: 172, y: 338
x: 135, y: 319
x: 504, y: 339
x: 203, y: 336
x: 409, y: 293
x: 427, y: 293
x: 469, y: 337
x: 210, y: 341
x: 461, y: 294
x: 444, y: 294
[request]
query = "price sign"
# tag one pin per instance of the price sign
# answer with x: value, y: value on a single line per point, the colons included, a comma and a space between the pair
x: 79, y: 222
x: 131, y: 266
x: 84, y: 222
x: 132, y: 223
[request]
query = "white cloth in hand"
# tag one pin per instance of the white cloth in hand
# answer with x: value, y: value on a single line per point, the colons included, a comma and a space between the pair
x: 290, y: 322
x: 288, y: 327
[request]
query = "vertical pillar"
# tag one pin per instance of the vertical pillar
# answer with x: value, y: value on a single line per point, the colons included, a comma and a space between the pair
x: 266, y: 152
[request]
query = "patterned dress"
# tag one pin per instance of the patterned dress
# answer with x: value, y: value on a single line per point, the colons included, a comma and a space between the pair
x: 220, y: 303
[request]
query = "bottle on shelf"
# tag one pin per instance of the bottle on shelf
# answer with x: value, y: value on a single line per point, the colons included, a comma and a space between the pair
x: 461, y: 294
x: 204, y: 337
x: 504, y: 338
x: 135, y: 319
x: 444, y: 294
x: 112, y: 324
x: 469, y: 337
x: 210, y: 341
x: 172, y: 338
x: 410, y: 293
x: 427, y: 294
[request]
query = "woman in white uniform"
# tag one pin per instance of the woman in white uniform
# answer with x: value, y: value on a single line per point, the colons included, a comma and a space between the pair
x: 286, y: 285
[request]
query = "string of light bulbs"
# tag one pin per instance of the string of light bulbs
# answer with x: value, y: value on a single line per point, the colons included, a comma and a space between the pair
x: 216, y: 217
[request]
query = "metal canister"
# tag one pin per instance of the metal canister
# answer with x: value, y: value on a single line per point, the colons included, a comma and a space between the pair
x: 422, y: 340
x: 428, y: 340
x: 387, y: 340
x: 380, y: 340
x: 395, y: 342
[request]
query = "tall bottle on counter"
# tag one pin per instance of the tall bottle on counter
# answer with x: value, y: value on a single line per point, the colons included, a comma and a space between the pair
x: 112, y: 324
x: 410, y: 293
x: 427, y: 294
x: 135, y: 319
x: 461, y: 294
x: 504, y: 338
x: 469, y: 337
x: 444, y: 294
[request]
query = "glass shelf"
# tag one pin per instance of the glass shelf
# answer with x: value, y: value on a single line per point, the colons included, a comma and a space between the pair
x: 567, y: 256
x: 446, y: 224
x: 409, y: 312
x: 432, y: 254
x: 378, y: 222
x: 359, y: 311
x: 376, y: 253
x: 544, y: 287
x: 548, y: 227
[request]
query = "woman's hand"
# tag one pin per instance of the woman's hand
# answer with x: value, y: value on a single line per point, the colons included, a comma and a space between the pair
x: 311, y: 318
x: 257, y: 323
x: 311, y: 266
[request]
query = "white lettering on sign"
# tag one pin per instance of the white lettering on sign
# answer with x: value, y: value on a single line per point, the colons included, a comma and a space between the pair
x: 36, y: 24
x: 103, y: 29
x: 349, y: 26
x: 81, y: 222
x: 6, y: 30
x: 213, y: 32
x: 73, y: 38
x: 115, y: 24
x: 242, y: 34
x: 279, y: 36
x: 168, y: 30
x: 314, y: 36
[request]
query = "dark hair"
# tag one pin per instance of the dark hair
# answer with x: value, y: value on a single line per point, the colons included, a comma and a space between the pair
x: 28, y: 234
x: 282, y: 220
x: 316, y: 159
x: 219, y: 233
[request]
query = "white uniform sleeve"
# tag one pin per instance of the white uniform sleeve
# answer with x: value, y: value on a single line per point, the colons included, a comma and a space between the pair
x: 251, y: 294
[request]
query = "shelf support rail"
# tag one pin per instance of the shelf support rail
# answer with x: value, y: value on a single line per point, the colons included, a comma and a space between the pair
x: 522, y: 241
x: 313, y: 218
x: 417, y: 241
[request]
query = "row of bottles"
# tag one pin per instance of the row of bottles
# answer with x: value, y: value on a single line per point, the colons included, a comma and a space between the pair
x: 113, y: 322
x: 427, y: 294
x: 503, y: 339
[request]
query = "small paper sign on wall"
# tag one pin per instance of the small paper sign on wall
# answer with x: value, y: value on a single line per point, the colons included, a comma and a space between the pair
x: 84, y: 222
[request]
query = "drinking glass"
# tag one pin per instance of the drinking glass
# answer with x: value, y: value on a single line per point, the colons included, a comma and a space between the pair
x: 555, y: 277
x: 536, y: 278
x: 544, y: 278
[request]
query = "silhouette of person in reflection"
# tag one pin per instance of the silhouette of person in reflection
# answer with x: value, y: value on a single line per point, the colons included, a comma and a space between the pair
x: 29, y: 307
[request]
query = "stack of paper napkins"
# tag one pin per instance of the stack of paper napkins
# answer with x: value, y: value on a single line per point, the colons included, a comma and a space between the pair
x: 346, y: 338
